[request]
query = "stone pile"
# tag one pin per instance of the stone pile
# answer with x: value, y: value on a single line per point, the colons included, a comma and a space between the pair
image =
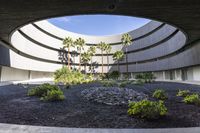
x: 112, y: 95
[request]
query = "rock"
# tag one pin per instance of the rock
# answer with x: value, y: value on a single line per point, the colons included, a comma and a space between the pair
x: 112, y: 95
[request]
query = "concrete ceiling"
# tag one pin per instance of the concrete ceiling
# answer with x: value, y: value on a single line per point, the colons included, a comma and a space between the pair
x: 185, y: 14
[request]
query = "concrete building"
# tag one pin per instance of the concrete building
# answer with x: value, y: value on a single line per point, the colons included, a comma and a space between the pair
x: 168, y: 46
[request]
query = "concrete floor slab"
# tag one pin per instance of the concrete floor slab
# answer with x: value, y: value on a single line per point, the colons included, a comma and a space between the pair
x: 13, y: 128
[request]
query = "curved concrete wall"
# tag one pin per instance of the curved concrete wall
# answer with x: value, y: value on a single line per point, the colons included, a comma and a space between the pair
x: 186, y: 58
x: 157, y: 47
x: 42, y: 40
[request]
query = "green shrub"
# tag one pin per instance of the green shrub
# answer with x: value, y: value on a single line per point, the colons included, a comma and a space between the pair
x: 114, y: 75
x: 183, y: 93
x: 148, y: 77
x: 108, y: 83
x: 160, y: 94
x: 147, y: 109
x: 71, y: 77
x: 102, y: 76
x: 138, y: 82
x: 89, y: 78
x: 42, y: 90
x: 145, y: 77
x: 125, y: 83
x: 54, y: 95
x: 139, y: 76
x: 126, y: 76
x: 192, y: 99
x: 47, y: 92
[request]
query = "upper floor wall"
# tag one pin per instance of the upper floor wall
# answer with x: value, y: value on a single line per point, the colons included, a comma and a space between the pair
x: 42, y: 41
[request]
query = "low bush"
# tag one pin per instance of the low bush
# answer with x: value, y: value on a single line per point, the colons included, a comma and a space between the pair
x: 145, y: 77
x: 147, y: 109
x: 41, y: 90
x: 139, y: 76
x: 192, y: 99
x: 160, y: 94
x: 124, y: 83
x: 102, y: 76
x: 114, y: 75
x: 108, y: 83
x: 149, y: 77
x: 71, y: 77
x: 47, y: 92
x: 183, y: 93
x: 138, y: 82
x: 54, y: 95
x: 89, y: 78
x: 126, y: 76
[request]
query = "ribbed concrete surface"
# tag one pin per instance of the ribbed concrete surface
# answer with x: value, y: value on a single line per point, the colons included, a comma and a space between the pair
x: 11, y: 128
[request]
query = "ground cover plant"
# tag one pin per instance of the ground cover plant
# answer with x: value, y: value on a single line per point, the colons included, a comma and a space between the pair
x: 183, y: 93
x: 160, y: 94
x: 192, y: 99
x: 108, y: 83
x: 138, y: 82
x: 47, y: 92
x: 147, y: 109
x: 125, y: 83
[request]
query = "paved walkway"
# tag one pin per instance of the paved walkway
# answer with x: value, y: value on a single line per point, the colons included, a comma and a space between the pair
x: 178, y: 81
x: 11, y: 128
x: 32, y: 81
x: 50, y: 80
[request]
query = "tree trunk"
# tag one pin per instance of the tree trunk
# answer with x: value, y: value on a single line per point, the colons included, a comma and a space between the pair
x: 91, y: 66
x: 107, y: 63
x: 85, y: 68
x: 118, y: 68
x: 68, y: 58
x: 80, y: 60
x: 126, y: 61
x: 64, y: 58
x: 102, y: 62
x: 74, y: 61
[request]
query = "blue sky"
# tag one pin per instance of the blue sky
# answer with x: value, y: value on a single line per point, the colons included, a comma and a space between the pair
x: 98, y: 25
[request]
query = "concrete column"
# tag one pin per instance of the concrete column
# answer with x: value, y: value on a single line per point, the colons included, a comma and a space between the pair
x: 175, y: 74
x: 29, y: 75
x: 163, y: 75
x: 0, y: 72
x: 121, y: 76
x: 181, y: 75
x: 131, y: 75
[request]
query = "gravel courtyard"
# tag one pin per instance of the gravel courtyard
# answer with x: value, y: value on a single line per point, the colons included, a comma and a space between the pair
x: 75, y: 111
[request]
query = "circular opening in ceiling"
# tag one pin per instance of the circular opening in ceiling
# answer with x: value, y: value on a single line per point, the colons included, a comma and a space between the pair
x: 99, y: 25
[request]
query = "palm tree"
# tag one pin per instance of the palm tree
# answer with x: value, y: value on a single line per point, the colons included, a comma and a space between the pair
x: 126, y: 41
x: 74, y: 54
x: 62, y: 56
x: 102, y: 47
x: 118, y: 56
x: 85, y: 58
x: 67, y: 43
x: 92, y: 51
x: 80, y: 46
x: 108, y: 48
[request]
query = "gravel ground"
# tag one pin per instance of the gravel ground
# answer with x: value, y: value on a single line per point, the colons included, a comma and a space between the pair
x: 17, y: 108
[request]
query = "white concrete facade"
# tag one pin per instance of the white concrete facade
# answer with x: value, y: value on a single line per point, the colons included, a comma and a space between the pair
x: 152, y: 43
